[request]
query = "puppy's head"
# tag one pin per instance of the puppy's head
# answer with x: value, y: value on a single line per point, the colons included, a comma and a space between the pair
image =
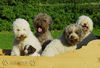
x: 74, y: 34
x: 28, y: 49
x: 21, y: 29
x: 42, y: 22
x: 86, y: 23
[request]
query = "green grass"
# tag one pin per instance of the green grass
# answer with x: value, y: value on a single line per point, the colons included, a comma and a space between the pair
x: 6, y: 38
x: 96, y: 32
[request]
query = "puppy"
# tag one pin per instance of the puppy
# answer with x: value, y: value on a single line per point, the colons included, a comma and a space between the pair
x: 29, y: 50
x: 42, y: 23
x: 22, y: 37
x: 69, y: 39
x: 87, y: 25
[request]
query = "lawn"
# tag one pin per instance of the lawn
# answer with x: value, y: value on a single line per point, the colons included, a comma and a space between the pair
x: 6, y: 38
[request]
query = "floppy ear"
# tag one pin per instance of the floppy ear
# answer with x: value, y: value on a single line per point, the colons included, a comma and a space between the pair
x: 47, y: 26
x: 83, y: 33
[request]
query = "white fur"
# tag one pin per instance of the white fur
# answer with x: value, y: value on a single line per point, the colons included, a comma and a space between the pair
x: 35, y: 54
x: 85, y: 19
x: 24, y: 27
x: 56, y: 47
x: 69, y: 39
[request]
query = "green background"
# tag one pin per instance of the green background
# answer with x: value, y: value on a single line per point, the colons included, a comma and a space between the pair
x: 63, y: 13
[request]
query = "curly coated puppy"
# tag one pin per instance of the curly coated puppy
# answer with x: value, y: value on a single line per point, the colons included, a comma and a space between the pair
x: 42, y: 23
x: 72, y: 35
x: 23, y: 36
x: 87, y: 25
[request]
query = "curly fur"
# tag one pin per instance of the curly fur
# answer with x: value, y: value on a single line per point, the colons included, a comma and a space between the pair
x: 71, y: 36
x: 23, y: 36
x: 86, y: 23
x: 43, y: 21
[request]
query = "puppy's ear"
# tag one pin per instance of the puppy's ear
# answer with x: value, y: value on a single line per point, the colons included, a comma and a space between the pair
x: 82, y: 34
x: 47, y: 26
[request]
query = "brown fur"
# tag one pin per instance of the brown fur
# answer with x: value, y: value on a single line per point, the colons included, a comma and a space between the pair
x: 44, y: 37
x: 30, y: 50
x: 43, y: 21
x: 7, y: 51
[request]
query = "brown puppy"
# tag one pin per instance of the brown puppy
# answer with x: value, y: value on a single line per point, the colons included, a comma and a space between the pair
x: 42, y: 22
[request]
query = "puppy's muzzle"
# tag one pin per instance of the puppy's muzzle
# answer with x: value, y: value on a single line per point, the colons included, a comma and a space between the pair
x: 21, y: 37
x: 73, y: 39
x: 85, y: 26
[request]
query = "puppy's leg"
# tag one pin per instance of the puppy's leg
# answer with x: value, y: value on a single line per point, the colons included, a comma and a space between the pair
x: 15, y: 51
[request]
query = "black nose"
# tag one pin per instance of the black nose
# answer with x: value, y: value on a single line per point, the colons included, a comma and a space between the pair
x: 72, y: 37
x: 22, y: 35
x: 84, y: 24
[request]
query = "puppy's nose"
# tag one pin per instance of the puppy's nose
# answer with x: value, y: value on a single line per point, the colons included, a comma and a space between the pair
x: 84, y: 24
x: 22, y: 35
x: 74, y: 38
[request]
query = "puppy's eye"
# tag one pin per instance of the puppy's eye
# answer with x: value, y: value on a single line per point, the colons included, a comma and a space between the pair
x: 44, y: 20
x: 70, y: 32
x: 76, y: 32
x: 18, y: 29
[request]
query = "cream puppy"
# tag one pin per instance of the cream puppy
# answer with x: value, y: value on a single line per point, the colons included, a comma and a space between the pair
x: 23, y: 36
x: 69, y: 39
